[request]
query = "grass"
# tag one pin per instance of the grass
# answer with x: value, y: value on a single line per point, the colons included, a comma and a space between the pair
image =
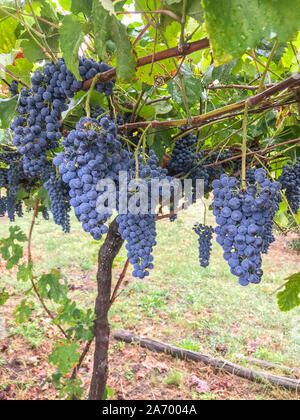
x: 174, y: 378
x: 30, y: 331
x: 181, y: 303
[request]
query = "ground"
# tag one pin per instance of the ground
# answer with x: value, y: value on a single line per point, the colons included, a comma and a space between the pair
x: 180, y: 303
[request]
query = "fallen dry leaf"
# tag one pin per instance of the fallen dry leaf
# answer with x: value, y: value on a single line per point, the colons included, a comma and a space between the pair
x: 199, y: 385
x: 140, y: 375
x: 116, y: 318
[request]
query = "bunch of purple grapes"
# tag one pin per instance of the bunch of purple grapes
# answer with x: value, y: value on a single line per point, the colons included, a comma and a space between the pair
x: 204, y: 233
x: 290, y: 181
x: 242, y: 216
x: 92, y: 153
x: 139, y: 230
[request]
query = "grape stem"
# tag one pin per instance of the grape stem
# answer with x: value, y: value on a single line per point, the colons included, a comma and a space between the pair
x: 262, y: 81
x: 121, y: 278
x: 29, y: 258
x: 244, y: 145
x: 189, y: 48
x: 88, y: 98
x: 253, y: 153
x: 136, y: 153
x: 207, y: 117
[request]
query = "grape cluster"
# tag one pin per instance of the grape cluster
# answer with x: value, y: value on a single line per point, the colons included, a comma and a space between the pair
x: 185, y: 161
x: 12, y: 179
x: 92, y: 153
x: 139, y: 230
x: 242, y: 216
x: 59, y: 195
x: 204, y: 243
x: 89, y: 68
x: 290, y: 181
x: 14, y: 88
x: 36, y: 128
x: 97, y: 112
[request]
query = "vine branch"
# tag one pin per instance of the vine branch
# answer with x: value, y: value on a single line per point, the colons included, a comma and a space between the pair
x: 255, y: 100
x: 30, y: 263
x: 159, y: 56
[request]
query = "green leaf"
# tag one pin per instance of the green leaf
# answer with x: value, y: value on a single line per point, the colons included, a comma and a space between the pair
x: 21, y: 69
x: 289, y: 298
x: 65, y: 356
x: 24, y: 273
x: 236, y: 25
x: 79, y: 98
x: 17, y: 254
x: 109, y: 28
x: 7, y: 110
x: 79, y: 6
x: 108, y: 393
x: 66, y: 4
x: 192, y: 88
x: 163, y: 107
x: 126, y: 61
x: 44, y: 197
x: 101, y: 19
x: 70, y: 41
x: 265, y: 47
x: 108, y: 5
x: 11, y: 252
x: 8, y: 33
x: 31, y: 50
x: 221, y: 73
x: 23, y: 312
x: 17, y: 234
x: 51, y: 288
x: 193, y: 9
x: 4, y: 296
x: 170, y: 2
x: 71, y: 389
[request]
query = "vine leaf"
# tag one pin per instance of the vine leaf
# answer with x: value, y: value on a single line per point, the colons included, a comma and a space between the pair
x: 193, y: 9
x: 10, y: 251
x: 24, y: 273
x: 23, y: 311
x: 78, y: 6
x: 4, y: 296
x: 108, y: 5
x: 236, y: 25
x: 64, y: 356
x: 21, y: 68
x: 289, y: 298
x: 70, y: 41
x: 31, y: 50
x: 192, y: 87
x: 9, y: 29
x: 107, y: 29
x: 7, y: 110
x: 51, y: 288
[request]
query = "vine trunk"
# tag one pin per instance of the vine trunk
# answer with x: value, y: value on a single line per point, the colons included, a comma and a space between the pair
x: 107, y: 254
